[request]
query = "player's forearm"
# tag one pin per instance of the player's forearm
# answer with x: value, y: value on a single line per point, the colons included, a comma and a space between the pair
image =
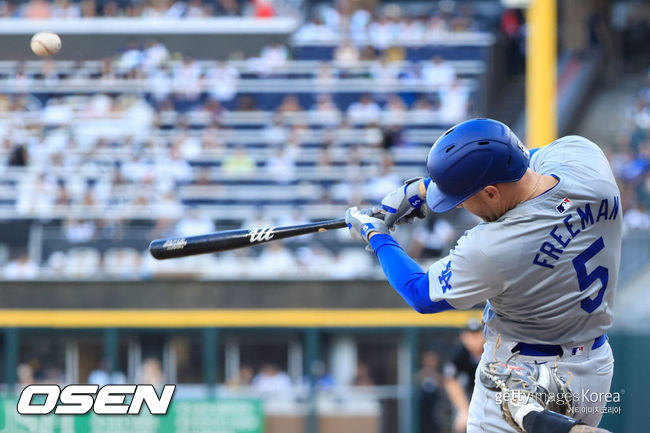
x: 405, y: 275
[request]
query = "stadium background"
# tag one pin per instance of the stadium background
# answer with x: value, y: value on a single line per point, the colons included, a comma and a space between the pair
x: 162, y: 118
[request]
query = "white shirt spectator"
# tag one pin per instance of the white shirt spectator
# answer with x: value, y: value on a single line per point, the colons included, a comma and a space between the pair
x: 436, y: 28
x: 65, y: 9
x: 411, y: 31
x: 276, y: 133
x: 281, y: 166
x: 160, y: 84
x: 454, y: 102
x: 57, y: 113
x: 273, y: 56
x: 422, y: 112
x: 223, y: 81
x: 187, y: 79
x: 637, y: 219
x: 21, y: 269
x: 384, y: 72
x: 79, y: 231
x: 314, y: 31
x: 154, y: 56
x: 129, y: 60
x: 383, y: 33
x: 325, y: 111
x: 269, y: 380
x: 364, y: 111
x: 359, y: 22
x: 438, y: 72
x: 275, y: 262
x: 194, y: 223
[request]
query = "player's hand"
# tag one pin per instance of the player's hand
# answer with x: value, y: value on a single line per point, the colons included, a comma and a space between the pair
x: 362, y: 223
x: 404, y: 204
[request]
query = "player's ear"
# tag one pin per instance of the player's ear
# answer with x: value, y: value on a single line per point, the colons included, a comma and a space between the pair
x: 491, y: 192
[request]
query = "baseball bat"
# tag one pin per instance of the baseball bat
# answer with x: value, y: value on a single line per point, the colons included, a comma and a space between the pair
x: 170, y: 248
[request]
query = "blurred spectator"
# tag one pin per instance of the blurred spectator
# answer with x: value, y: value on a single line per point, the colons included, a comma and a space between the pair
x: 239, y: 163
x: 276, y: 261
x: 395, y: 111
x: 460, y: 371
x: 103, y: 376
x: 384, y: 71
x: 276, y: 133
x: 193, y: 223
x: 263, y: 8
x: 22, y: 268
x: 150, y: 373
x: 382, y: 33
x: 223, y: 81
x: 346, y: 54
x: 130, y: 60
x: 432, y: 238
x: 18, y: 157
x: 637, y: 218
x: 325, y: 110
x: 454, y: 103
x: 320, y: 377
x: 281, y: 166
x: 154, y: 56
x: 289, y: 105
x: 363, y: 377
x: 244, y: 377
x: 270, y: 380
x: 314, y: 30
x: 364, y: 111
x: 431, y: 388
x: 79, y: 231
x: 246, y: 103
x: 385, y: 182
x: 37, y: 9
x: 187, y: 86
x: 438, y: 72
x: 273, y: 56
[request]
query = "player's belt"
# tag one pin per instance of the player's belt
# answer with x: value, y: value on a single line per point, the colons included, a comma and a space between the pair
x: 550, y: 349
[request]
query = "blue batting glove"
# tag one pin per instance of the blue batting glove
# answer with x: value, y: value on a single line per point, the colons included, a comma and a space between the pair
x: 362, y: 223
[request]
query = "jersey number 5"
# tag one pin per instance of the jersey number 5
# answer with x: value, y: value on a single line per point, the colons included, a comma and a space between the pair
x: 587, y: 279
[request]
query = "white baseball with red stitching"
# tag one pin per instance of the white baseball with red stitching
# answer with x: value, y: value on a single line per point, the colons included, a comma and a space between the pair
x: 45, y: 43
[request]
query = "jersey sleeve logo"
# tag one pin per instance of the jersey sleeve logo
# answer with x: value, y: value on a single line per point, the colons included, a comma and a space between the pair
x: 564, y: 205
x: 445, y: 276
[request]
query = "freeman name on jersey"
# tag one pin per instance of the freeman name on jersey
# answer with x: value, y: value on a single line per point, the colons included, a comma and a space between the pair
x: 563, y: 236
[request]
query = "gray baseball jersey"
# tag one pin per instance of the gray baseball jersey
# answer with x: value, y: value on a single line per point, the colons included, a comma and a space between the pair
x: 548, y: 267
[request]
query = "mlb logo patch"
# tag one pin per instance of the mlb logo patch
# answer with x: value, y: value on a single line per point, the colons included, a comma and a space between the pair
x: 578, y: 350
x: 564, y: 205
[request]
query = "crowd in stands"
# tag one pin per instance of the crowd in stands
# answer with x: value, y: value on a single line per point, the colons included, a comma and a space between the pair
x: 174, y: 9
x: 102, y: 153
x: 394, y: 23
x: 328, y: 22
x: 630, y: 160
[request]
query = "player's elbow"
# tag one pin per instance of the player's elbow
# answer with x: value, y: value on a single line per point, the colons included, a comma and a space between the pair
x: 420, y: 309
x: 432, y: 307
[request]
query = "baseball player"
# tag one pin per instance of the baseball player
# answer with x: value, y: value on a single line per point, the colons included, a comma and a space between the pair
x: 545, y: 261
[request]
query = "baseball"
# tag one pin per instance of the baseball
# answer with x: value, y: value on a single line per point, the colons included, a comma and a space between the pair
x: 45, y: 43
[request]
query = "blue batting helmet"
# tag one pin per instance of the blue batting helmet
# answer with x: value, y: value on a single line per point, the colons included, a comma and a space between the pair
x: 470, y: 156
